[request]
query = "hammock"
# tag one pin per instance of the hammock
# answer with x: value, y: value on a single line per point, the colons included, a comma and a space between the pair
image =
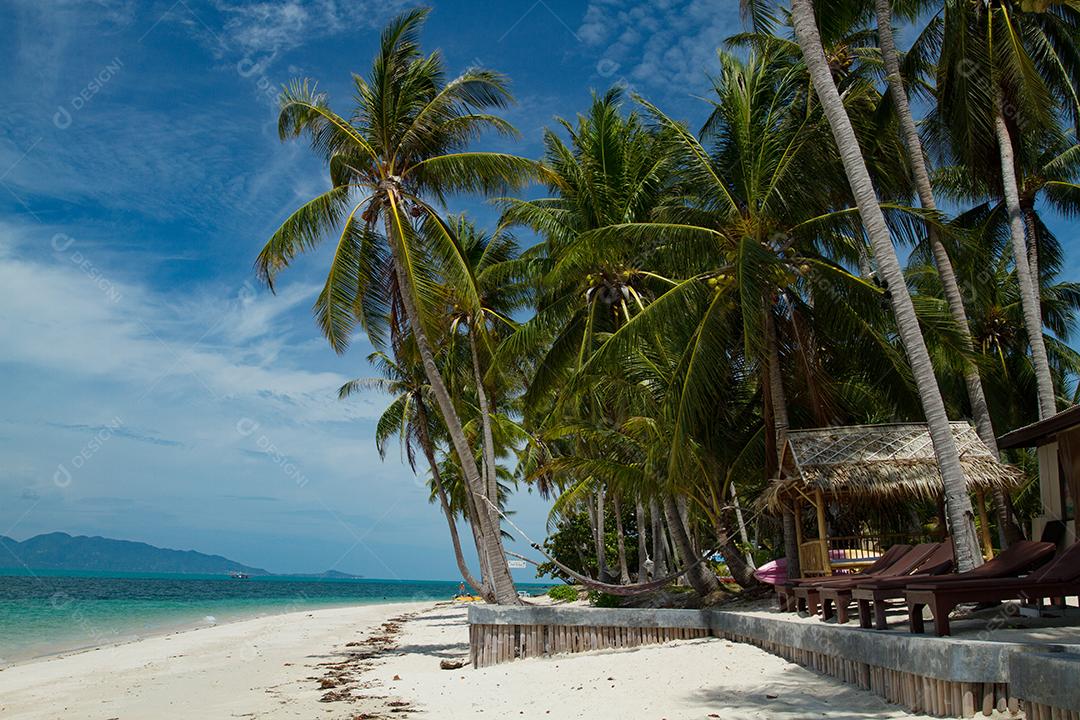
x: 619, y: 590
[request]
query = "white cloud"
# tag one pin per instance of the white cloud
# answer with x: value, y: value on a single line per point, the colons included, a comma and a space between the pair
x: 267, y: 28
x: 68, y: 313
x: 667, y: 46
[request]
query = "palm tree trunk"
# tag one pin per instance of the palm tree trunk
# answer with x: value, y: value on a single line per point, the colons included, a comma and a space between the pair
x: 601, y: 545
x: 1029, y: 299
x: 1033, y: 250
x: 961, y: 516
x: 980, y: 411
x: 700, y: 575
x: 741, y: 570
x: 620, y: 541
x: 659, y: 552
x: 494, y: 556
x: 642, y: 552
x: 778, y: 405
x: 429, y: 453
x: 741, y: 522
x: 474, y: 526
x: 490, y: 475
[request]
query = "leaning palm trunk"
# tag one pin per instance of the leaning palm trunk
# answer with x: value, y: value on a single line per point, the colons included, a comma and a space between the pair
x: 642, y: 552
x: 491, y: 480
x: 741, y: 570
x: 459, y: 556
x: 980, y: 411
x: 493, y: 556
x: 960, y: 515
x: 1029, y: 299
x: 601, y: 553
x: 659, y: 551
x: 778, y: 405
x: 620, y: 541
x: 741, y: 522
x: 701, y: 577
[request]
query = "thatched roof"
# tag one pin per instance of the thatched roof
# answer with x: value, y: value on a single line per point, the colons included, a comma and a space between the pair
x: 879, y: 463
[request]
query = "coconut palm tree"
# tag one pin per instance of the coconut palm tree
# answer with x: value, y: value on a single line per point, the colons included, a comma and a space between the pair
x: 958, y: 504
x: 392, y: 161
x: 1006, y: 69
x: 408, y: 418
x: 484, y: 312
x: 759, y: 263
x: 920, y: 171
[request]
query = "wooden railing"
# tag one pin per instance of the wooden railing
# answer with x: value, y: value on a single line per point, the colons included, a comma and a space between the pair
x: 846, y: 553
x: 813, y: 558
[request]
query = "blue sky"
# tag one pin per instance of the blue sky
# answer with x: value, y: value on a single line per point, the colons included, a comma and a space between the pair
x: 152, y: 390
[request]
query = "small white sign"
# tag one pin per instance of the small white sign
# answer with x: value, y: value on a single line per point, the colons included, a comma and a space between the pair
x: 516, y: 564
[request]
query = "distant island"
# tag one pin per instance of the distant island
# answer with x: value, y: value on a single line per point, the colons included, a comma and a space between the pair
x: 61, y: 551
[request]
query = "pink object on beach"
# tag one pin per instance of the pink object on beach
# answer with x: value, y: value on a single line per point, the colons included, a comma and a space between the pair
x: 773, y: 572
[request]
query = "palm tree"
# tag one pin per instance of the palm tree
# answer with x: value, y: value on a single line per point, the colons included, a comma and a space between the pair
x: 984, y: 264
x: 408, y: 418
x: 1048, y: 169
x: 1001, y: 67
x: 757, y: 249
x: 484, y: 311
x: 921, y: 174
x: 958, y: 504
x: 403, y: 147
x: 614, y: 170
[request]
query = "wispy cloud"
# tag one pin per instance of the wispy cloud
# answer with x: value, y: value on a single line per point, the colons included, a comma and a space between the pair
x: 266, y: 29
x: 47, y: 309
x: 118, y: 431
x: 666, y: 46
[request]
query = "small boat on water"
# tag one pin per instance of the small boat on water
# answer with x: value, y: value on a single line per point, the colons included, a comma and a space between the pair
x: 237, y: 575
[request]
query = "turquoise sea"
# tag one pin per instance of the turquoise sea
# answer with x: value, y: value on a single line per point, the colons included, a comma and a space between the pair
x: 48, y: 612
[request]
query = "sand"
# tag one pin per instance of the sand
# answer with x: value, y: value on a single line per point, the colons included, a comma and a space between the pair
x: 249, y: 669
x: 281, y: 666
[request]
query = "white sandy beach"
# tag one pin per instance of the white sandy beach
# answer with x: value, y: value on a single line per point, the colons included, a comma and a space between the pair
x: 281, y: 666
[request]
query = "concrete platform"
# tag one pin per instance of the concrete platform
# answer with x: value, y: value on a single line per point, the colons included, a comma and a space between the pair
x: 991, y: 664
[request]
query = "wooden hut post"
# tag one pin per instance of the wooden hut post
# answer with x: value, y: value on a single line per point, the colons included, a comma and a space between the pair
x: 984, y: 525
x: 797, y: 512
x: 822, y: 531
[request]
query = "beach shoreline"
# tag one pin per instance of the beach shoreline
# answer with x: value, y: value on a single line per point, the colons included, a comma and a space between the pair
x: 384, y: 660
x: 259, y: 666
x: 164, y: 628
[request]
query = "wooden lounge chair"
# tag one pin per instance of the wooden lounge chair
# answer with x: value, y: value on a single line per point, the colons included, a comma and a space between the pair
x: 1020, y: 557
x: 838, y: 595
x: 801, y: 595
x: 1059, y: 579
x: 871, y: 595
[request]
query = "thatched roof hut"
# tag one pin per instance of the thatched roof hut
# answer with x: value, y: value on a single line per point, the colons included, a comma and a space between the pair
x: 878, y: 463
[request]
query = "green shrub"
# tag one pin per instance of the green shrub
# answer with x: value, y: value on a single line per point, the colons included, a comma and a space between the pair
x: 563, y: 593
x: 603, y: 600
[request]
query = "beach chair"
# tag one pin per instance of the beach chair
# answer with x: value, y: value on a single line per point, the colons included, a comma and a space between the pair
x: 1020, y: 557
x: 799, y: 595
x: 838, y: 595
x: 1056, y: 581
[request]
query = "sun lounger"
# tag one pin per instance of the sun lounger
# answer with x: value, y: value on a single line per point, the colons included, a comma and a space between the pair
x: 838, y: 595
x: 1059, y: 579
x: 1022, y: 556
x: 795, y: 596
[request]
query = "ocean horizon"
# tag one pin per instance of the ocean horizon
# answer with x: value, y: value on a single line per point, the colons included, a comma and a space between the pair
x: 46, y: 612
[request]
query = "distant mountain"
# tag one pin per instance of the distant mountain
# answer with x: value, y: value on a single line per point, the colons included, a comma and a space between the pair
x: 60, y: 551
x: 329, y: 575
